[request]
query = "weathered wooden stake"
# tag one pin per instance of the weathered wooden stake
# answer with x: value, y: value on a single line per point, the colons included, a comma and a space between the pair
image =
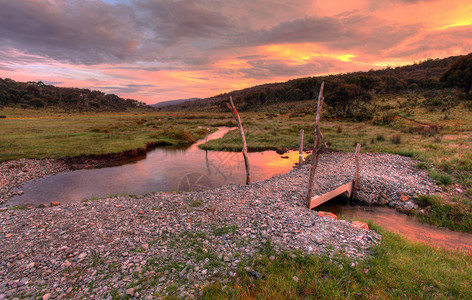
x: 355, y: 181
x: 243, y: 138
x: 316, y: 148
x: 300, y: 152
x: 206, y: 139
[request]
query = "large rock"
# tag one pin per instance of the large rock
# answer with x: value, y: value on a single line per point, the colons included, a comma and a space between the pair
x: 327, y: 214
x: 360, y: 225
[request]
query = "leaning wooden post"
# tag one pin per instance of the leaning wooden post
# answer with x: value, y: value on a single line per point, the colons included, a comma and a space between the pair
x: 206, y: 139
x: 243, y: 138
x: 206, y: 146
x: 355, y: 181
x: 300, y: 151
x: 316, y: 148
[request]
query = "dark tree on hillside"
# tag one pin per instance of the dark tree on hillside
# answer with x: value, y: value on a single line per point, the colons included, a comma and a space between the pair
x: 348, y: 100
x: 460, y: 74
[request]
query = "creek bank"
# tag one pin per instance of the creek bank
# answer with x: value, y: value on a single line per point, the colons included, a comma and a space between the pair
x: 175, y: 244
x: 163, y: 243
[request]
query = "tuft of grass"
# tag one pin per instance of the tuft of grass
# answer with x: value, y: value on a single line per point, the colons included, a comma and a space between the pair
x: 195, y: 203
x: 18, y: 207
x: 218, y: 231
x: 454, y: 215
x: 440, y: 178
x: 422, y: 166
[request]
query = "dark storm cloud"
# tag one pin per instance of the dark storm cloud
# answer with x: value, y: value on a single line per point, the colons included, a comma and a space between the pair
x: 172, y: 21
x: 93, y: 32
x: 341, y: 32
x: 79, y: 32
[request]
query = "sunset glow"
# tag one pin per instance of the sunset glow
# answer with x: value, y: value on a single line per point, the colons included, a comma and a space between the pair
x: 172, y: 49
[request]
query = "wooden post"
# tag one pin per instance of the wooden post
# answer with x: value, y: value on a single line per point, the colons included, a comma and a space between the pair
x: 355, y: 181
x: 243, y: 138
x: 316, y: 148
x: 206, y: 138
x: 300, y: 152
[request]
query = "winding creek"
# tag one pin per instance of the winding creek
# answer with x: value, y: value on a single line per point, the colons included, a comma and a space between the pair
x: 167, y: 169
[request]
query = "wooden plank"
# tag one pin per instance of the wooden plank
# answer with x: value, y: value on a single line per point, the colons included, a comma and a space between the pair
x: 318, y: 200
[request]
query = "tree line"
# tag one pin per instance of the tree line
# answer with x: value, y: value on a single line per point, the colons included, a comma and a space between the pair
x: 39, y: 95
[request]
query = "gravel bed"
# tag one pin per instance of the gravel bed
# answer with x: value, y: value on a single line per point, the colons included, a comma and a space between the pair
x: 162, y: 244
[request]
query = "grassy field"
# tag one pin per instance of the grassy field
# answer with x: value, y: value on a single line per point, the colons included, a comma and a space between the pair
x: 398, y: 269
x: 43, y: 134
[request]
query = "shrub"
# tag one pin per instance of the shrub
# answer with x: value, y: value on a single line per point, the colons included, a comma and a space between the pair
x: 396, y: 139
x: 380, y: 138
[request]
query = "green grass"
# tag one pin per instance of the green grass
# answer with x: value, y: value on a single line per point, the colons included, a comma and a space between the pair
x: 453, y: 214
x: 45, y: 134
x: 398, y: 269
x: 440, y: 178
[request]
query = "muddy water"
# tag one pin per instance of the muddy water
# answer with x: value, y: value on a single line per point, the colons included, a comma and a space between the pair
x: 161, y: 170
x: 395, y: 221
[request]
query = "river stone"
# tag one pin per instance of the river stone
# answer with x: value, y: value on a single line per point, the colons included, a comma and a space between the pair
x: 359, y: 225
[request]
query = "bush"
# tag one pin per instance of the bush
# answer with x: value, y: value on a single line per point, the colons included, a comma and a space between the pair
x: 396, y: 139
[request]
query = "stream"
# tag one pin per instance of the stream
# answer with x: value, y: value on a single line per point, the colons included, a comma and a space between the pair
x: 191, y: 169
x: 160, y: 170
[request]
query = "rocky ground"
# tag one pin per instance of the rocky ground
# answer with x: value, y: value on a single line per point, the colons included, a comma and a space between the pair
x: 174, y: 244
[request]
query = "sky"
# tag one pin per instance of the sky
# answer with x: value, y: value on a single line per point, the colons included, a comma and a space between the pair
x: 157, y: 50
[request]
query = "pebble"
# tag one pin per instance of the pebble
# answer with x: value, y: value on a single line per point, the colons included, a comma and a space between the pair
x: 47, y: 296
x: 130, y: 291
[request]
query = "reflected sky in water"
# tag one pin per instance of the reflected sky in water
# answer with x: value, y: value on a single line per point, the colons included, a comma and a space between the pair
x: 161, y: 170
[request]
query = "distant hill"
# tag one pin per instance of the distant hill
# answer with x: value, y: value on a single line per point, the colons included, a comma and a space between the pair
x: 423, y: 75
x: 173, y: 102
x: 38, y: 95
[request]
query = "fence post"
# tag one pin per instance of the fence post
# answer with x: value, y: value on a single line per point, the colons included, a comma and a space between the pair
x: 316, y: 148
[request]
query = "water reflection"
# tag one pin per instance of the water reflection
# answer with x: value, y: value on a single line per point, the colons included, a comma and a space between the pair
x: 400, y: 223
x: 160, y: 170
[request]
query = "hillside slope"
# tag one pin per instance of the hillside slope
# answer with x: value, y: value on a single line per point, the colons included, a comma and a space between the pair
x: 423, y: 75
x: 38, y: 95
